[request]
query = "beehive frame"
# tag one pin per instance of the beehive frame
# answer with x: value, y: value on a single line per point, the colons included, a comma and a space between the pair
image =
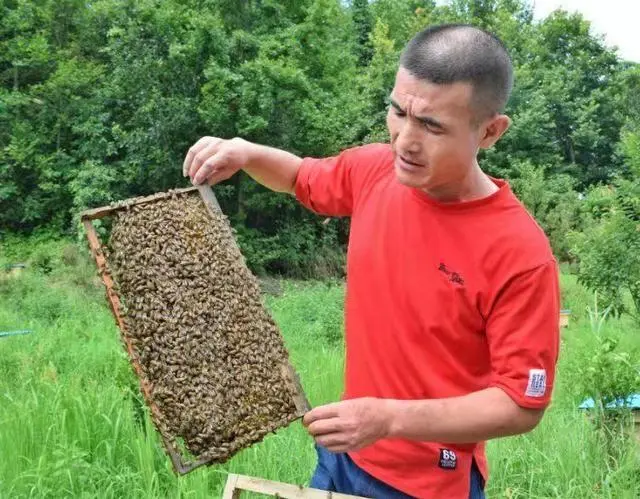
x: 212, y: 208
x: 236, y: 484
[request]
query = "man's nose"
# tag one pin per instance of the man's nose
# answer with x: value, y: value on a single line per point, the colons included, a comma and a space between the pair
x: 408, y: 137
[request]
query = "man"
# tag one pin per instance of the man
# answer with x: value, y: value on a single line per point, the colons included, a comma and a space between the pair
x: 452, y: 290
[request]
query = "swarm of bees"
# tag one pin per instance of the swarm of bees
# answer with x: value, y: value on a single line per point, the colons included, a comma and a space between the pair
x: 212, y: 355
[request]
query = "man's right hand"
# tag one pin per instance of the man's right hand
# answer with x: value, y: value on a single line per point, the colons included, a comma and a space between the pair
x: 212, y: 160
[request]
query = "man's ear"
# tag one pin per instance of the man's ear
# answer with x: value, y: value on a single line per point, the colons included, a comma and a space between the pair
x: 493, y: 129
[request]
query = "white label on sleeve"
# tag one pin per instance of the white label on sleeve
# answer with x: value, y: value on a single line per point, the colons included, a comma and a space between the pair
x: 537, y: 385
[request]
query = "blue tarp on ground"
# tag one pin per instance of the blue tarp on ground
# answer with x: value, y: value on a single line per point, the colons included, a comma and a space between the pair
x: 632, y: 402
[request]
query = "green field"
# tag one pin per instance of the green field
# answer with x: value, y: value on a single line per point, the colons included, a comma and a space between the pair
x: 71, y: 424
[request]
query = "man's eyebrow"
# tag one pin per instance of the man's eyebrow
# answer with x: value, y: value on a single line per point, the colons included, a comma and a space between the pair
x: 433, y: 123
x: 427, y: 120
x: 396, y: 105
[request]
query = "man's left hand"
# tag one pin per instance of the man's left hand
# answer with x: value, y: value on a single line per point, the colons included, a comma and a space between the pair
x: 349, y: 425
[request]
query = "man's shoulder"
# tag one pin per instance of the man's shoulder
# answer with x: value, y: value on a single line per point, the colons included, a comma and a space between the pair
x: 369, y: 162
x: 370, y: 154
x: 519, y: 242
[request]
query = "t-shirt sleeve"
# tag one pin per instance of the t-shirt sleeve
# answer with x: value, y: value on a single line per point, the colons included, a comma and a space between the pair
x: 523, y: 334
x: 332, y: 186
x: 325, y: 185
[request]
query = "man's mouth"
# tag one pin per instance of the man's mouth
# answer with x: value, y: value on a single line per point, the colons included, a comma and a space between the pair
x: 406, y: 164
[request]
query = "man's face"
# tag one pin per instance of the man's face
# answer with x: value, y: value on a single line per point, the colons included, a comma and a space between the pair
x: 432, y: 134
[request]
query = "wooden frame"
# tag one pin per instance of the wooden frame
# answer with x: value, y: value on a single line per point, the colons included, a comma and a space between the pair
x: 238, y: 483
x: 208, y: 198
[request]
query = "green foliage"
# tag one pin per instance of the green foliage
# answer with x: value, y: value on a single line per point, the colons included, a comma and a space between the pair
x: 379, y: 81
x: 551, y: 200
x: 302, y: 250
x: 608, y: 375
x: 362, y: 22
x: 609, y: 248
x: 99, y: 102
x: 319, y: 309
x: 630, y: 147
x: 72, y: 421
x: 566, y: 108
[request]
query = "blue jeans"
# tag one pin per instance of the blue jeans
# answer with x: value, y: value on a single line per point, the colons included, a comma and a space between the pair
x: 338, y: 473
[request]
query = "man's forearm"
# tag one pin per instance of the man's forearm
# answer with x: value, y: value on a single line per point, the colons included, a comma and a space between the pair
x: 479, y: 416
x: 273, y: 168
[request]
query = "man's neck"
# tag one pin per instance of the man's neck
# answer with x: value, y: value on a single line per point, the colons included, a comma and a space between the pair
x: 475, y: 185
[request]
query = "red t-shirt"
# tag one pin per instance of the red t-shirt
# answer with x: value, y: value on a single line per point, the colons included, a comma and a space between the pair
x: 443, y: 299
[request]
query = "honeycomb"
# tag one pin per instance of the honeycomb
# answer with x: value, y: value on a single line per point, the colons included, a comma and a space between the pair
x: 212, y: 357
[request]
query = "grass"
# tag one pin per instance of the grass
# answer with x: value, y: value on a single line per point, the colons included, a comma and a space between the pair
x: 72, y: 425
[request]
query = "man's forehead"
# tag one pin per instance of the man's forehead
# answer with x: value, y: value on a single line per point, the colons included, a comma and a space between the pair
x: 424, y: 96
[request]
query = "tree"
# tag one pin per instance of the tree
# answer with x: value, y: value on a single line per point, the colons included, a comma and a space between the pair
x: 100, y: 100
x: 378, y: 81
x: 609, y: 251
x: 552, y: 201
x: 362, y: 21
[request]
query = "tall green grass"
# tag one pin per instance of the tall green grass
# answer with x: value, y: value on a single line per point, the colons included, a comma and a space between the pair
x: 72, y: 424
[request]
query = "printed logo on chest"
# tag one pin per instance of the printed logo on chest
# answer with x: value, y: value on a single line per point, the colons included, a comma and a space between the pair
x: 453, y: 276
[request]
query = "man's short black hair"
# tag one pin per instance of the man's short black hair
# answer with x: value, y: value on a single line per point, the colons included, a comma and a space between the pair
x: 450, y: 53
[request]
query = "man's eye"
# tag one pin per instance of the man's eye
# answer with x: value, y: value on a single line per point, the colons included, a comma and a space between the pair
x: 431, y: 130
x: 399, y: 113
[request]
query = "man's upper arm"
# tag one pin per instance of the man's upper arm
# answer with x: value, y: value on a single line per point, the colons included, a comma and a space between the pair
x: 523, y: 334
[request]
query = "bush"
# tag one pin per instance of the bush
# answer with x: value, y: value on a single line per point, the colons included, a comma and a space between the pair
x: 296, y: 250
x: 609, y: 249
x: 551, y: 200
x: 64, y: 261
x: 608, y: 375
